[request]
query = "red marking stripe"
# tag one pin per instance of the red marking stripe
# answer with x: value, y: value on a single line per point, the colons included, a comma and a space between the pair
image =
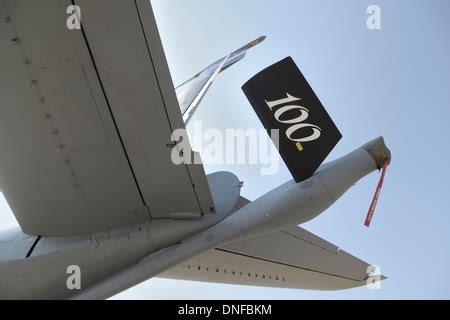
x: 376, y: 196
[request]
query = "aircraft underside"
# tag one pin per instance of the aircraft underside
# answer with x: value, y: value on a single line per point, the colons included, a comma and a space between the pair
x: 86, y: 133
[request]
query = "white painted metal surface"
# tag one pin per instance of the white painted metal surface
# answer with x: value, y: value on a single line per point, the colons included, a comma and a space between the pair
x: 85, y: 124
x: 85, y: 141
x: 258, y: 219
x: 43, y: 274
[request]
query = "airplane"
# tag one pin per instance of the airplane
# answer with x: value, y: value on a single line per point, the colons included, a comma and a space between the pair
x: 86, y: 118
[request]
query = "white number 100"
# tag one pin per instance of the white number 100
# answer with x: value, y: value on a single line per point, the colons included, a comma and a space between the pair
x: 297, y: 123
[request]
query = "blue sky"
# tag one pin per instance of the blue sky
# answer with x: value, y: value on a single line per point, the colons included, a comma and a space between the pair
x: 392, y: 82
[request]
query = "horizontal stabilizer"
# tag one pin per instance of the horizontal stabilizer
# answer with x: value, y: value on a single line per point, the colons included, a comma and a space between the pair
x: 292, y: 258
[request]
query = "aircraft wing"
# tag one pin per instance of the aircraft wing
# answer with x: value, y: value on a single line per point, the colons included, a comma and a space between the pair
x: 293, y: 258
x: 86, y: 119
x: 192, y: 91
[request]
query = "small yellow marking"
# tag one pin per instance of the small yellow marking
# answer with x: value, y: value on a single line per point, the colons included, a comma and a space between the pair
x: 299, y: 146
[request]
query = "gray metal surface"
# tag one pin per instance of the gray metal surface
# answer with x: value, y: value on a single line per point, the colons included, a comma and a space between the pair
x: 291, y: 258
x: 191, y: 92
x: 118, y: 34
x: 68, y: 164
x: 37, y: 269
x: 62, y: 168
x: 85, y: 122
